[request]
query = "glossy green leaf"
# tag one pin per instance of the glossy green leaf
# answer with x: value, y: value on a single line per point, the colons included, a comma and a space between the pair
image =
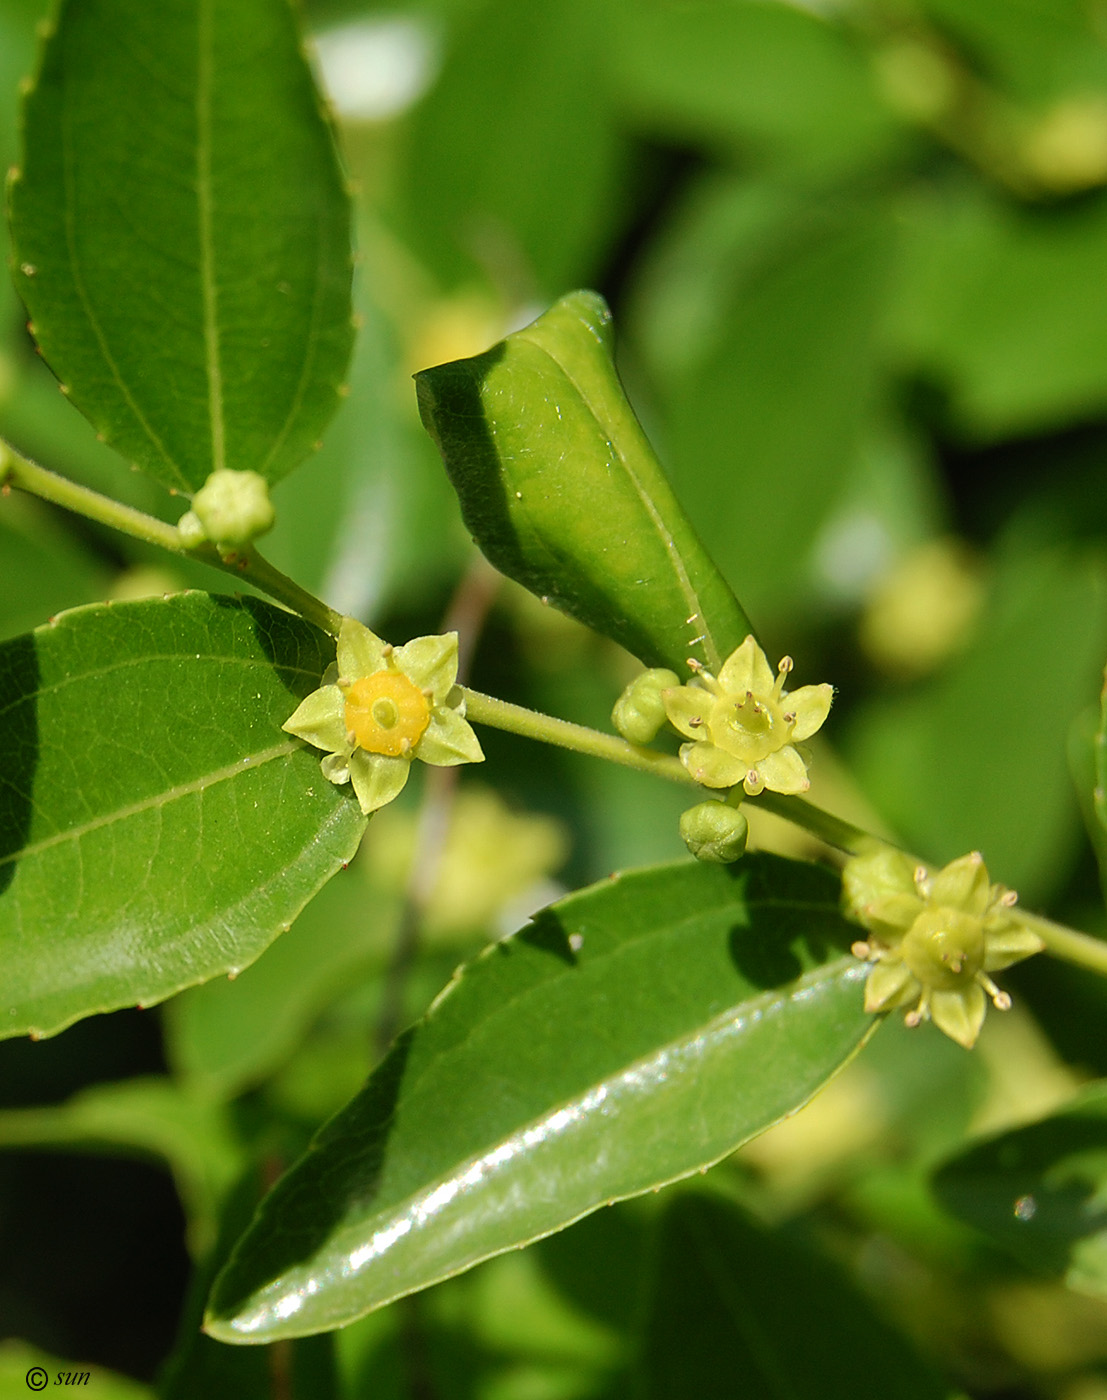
x: 151, y: 1117
x: 181, y: 234
x: 156, y: 826
x: 633, y: 1033
x: 767, y: 1312
x: 1040, y: 1192
x: 563, y: 493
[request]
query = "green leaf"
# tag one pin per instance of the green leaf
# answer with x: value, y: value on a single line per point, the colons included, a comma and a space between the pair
x: 967, y: 763
x: 1100, y: 748
x: 226, y: 1035
x: 181, y: 234
x: 514, y: 162
x: 156, y: 826
x: 771, y: 83
x: 18, y: 1359
x: 1003, y: 308
x: 733, y: 1299
x: 766, y: 424
x: 635, y: 1032
x: 1040, y: 1192
x: 151, y: 1117
x: 563, y: 493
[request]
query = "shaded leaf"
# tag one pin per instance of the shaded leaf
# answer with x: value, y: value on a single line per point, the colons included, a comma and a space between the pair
x: 156, y: 826
x: 148, y: 1116
x: 563, y: 493
x: 634, y: 1032
x: 739, y: 1310
x: 181, y: 234
x: 967, y: 763
x: 514, y: 163
x: 770, y: 82
x: 1040, y: 1192
x: 18, y: 1359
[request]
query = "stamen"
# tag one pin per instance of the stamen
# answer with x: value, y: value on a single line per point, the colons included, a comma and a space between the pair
x: 786, y: 664
x: 1000, y: 1000
x: 1009, y: 898
x: 862, y: 950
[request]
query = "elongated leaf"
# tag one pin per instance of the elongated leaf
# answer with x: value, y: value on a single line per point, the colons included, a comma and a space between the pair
x: 768, y: 1313
x: 563, y: 493
x: 156, y: 826
x: 1040, y: 1192
x: 634, y: 1032
x: 147, y: 1116
x: 181, y: 233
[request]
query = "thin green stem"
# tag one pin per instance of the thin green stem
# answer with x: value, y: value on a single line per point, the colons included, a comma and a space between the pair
x: 17, y: 470
x: 1067, y: 943
x: 486, y: 709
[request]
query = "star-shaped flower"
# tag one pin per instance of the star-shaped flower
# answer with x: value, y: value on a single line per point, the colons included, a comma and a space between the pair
x: 934, y: 938
x: 382, y: 706
x: 743, y: 723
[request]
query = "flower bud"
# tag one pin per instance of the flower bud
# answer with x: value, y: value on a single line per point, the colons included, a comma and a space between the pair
x: 715, y: 832
x: 232, y: 509
x: 639, y: 712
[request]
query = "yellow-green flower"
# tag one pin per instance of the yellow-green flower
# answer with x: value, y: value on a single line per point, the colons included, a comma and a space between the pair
x: 743, y: 723
x: 934, y: 938
x: 382, y: 706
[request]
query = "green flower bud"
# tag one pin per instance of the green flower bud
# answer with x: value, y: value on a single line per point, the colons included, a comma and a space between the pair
x: 232, y: 509
x: 639, y: 712
x: 715, y: 832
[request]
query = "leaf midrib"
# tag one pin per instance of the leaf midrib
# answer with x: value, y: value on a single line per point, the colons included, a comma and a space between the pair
x: 155, y: 800
x: 208, y: 288
x: 769, y: 999
x: 664, y: 534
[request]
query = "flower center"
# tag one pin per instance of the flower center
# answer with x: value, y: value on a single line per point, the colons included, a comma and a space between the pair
x: 747, y: 727
x: 386, y: 713
x: 944, y: 948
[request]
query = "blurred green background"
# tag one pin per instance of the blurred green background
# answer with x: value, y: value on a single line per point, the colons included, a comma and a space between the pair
x: 857, y: 256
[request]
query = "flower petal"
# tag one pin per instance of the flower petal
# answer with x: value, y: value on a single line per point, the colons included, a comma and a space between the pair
x: 810, y: 705
x: 1007, y: 942
x: 960, y: 1014
x: 890, y: 984
x: 321, y: 720
x: 711, y: 766
x: 431, y: 662
x: 963, y: 884
x: 784, y: 771
x: 377, y: 778
x: 747, y: 669
x: 360, y: 652
x: 688, y: 708
x: 448, y: 740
